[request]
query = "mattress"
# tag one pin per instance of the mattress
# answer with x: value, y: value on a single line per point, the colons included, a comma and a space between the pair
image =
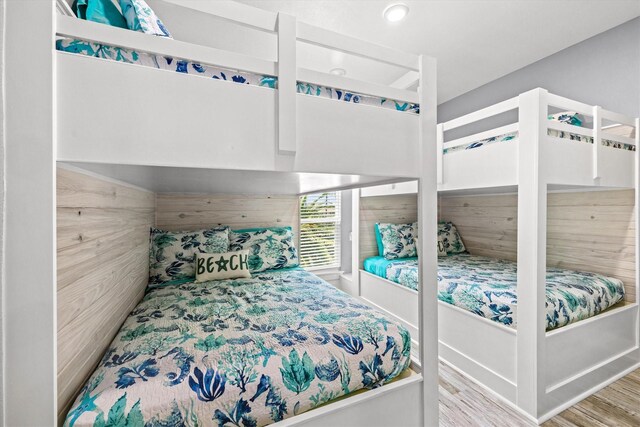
x: 245, y: 352
x: 551, y: 132
x: 187, y: 67
x: 487, y: 287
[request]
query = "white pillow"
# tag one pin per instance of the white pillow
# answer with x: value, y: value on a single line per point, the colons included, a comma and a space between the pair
x: 228, y: 265
x: 441, y: 248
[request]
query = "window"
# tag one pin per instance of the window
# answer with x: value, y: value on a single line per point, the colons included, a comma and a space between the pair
x: 320, y: 230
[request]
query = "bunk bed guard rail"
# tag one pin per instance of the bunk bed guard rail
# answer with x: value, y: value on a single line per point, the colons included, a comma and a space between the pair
x: 289, y: 33
x: 600, y: 134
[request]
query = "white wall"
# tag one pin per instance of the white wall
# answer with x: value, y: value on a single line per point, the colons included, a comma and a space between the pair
x: 603, y: 70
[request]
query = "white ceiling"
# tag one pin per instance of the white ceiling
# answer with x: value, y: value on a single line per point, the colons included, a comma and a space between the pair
x: 474, y: 41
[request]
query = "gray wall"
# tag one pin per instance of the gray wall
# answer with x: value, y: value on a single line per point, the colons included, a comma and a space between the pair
x: 603, y: 70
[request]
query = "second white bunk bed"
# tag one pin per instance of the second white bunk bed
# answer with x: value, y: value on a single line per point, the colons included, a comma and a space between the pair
x: 539, y: 372
x: 159, y: 129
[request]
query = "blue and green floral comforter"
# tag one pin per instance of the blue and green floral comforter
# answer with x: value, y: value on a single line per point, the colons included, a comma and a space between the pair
x: 403, y: 271
x: 243, y: 352
x: 551, y: 132
x: 186, y: 67
x: 487, y: 287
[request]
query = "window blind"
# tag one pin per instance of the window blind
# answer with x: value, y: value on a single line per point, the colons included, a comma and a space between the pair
x: 320, y: 230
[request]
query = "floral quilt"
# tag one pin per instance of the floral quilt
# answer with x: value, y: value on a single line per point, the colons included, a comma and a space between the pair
x: 404, y: 272
x: 551, y: 132
x: 239, y: 352
x: 487, y: 287
x: 181, y: 66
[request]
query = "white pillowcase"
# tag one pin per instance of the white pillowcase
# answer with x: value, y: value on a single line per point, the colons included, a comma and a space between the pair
x: 228, y: 265
x: 441, y: 248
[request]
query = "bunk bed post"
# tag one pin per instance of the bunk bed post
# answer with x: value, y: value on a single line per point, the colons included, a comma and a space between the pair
x: 597, y: 145
x: 29, y: 288
x: 532, y: 236
x: 287, y: 67
x: 637, y: 213
x: 440, y: 152
x: 428, y: 220
x: 355, y: 243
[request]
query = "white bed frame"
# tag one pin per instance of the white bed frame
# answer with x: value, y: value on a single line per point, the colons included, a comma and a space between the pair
x: 57, y: 114
x: 539, y: 373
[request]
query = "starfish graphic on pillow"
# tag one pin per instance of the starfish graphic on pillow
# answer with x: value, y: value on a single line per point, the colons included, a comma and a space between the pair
x: 222, y: 264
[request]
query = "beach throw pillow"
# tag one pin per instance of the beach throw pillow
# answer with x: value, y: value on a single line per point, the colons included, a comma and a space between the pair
x: 398, y: 240
x: 449, y: 238
x: 140, y: 17
x: 228, y: 265
x: 442, y: 251
x: 269, y: 248
x: 172, y: 254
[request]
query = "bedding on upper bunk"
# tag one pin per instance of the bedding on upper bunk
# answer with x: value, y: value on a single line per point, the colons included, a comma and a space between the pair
x: 239, y: 352
x: 551, y: 132
x: 187, y: 67
x: 488, y: 287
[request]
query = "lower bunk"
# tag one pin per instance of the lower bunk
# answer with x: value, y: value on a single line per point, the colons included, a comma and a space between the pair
x: 250, y: 352
x: 591, y: 337
x: 487, y: 287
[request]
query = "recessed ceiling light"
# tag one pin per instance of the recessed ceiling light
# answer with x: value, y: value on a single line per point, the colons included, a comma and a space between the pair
x: 396, y: 12
x: 338, y: 71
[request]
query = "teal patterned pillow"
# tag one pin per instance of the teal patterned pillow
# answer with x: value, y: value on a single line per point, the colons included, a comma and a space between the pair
x: 102, y: 11
x: 141, y: 18
x: 269, y: 248
x: 449, y: 239
x: 172, y: 254
x: 398, y: 240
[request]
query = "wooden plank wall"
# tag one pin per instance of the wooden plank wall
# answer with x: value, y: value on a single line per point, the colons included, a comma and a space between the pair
x: 397, y: 209
x: 588, y: 231
x: 176, y: 212
x: 103, y: 269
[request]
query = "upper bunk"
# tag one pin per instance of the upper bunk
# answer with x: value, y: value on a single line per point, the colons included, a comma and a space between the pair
x: 248, y: 101
x: 577, y: 144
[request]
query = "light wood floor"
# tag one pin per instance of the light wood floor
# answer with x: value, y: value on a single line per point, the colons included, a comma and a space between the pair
x: 465, y: 404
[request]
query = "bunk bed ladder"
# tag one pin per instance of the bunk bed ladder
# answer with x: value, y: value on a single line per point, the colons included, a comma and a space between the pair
x: 286, y: 83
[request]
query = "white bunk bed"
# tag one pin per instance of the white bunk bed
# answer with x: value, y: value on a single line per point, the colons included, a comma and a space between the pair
x: 539, y: 373
x: 281, y: 136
